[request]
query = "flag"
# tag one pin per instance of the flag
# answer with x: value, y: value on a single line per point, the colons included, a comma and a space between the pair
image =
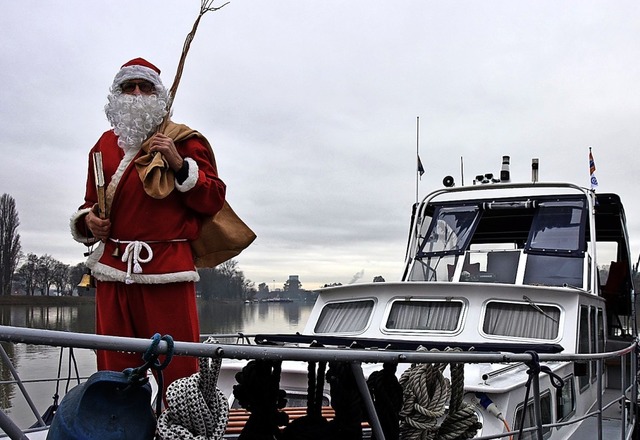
x: 420, y: 167
x: 592, y: 170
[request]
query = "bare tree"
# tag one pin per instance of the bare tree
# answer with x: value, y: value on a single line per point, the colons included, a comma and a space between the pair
x: 10, y: 249
x: 60, y: 277
x: 28, y: 273
x: 45, y: 273
x: 225, y: 281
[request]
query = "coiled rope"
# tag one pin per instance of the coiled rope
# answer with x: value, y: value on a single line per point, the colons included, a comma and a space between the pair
x: 386, y: 393
x: 312, y: 426
x: 426, y: 393
x: 346, y: 401
x: 461, y: 422
x: 258, y: 391
x: 197, y: 409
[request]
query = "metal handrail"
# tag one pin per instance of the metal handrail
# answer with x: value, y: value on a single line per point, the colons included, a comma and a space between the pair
x: 354, y: 356
x: 233, y: 351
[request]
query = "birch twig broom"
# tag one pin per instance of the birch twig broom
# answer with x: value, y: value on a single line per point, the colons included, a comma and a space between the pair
x: 205, y: 6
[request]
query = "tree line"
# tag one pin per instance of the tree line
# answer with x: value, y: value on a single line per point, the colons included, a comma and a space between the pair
x: 42, y: 274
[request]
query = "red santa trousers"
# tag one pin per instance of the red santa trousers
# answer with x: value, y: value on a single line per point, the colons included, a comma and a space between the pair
x: 142, y: 310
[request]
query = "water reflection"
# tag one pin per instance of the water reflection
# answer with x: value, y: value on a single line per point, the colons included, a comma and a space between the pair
x: 215, y: 317
x: 35, y: 361
x: 80, y: 318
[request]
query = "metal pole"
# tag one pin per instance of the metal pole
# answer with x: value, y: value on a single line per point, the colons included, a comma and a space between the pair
x: 623, y: 387
x: 417, y: 155
x: 10, y: 428
x: 599, y: 397
x: 634, y: 390
x: 243, y: 351
x: 537, y: 410
x: 356, y: 367
x: 14, y: 373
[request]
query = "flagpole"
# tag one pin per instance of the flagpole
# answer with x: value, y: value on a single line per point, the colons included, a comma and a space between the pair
x: 417, y: 154
x: 592, y: 171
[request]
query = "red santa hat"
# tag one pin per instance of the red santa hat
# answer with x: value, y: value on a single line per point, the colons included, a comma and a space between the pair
x: 138, y: 68
x: 141, y: 62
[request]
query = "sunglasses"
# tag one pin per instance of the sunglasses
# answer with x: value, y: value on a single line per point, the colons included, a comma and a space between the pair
x: 130, y: 86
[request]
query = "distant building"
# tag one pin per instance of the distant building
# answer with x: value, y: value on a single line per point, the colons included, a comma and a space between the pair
x: 293, y: 284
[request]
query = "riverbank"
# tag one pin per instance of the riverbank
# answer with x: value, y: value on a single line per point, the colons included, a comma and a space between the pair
x: 43, y: 300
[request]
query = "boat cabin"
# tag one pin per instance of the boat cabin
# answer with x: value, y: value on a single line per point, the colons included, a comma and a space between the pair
x: 528, y: 235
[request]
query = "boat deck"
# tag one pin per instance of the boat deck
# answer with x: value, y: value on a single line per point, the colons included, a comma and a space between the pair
x: 612, y: 426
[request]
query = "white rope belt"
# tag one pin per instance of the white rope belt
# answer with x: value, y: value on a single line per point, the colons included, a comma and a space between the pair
x: 132, y: 254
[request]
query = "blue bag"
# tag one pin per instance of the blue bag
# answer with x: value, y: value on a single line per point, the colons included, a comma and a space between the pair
x: 105, y: 407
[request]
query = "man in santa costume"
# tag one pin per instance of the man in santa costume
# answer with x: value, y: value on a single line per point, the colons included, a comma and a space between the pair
x: 143, y: 264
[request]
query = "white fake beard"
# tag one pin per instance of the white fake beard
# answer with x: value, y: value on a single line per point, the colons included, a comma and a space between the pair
x: 134, y: 117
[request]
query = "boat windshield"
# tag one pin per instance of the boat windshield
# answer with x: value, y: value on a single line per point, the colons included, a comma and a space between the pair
x: 450, y: 231
x: 446, y: 238
x: 531, y: 241
x: 558, y: 228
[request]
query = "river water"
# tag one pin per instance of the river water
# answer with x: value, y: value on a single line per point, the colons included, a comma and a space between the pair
x: 35, y: 362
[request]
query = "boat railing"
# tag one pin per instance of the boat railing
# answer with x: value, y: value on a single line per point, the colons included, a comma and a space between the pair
x: 233, y: 338
x: 356, y: 356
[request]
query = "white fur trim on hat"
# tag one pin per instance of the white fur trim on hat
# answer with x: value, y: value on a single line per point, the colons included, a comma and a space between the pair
x: 139, y: 72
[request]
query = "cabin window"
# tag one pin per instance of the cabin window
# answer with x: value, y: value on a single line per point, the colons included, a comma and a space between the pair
x: 550, y: 270
x: 556, y: 244
x: 344, y: 317
x: 583, y: 343
x: 425, y: 315
x: 530, y: 418
x: 594, y: 340
x: 447, y: 236
x: 495, y: 266
x: 522, y: 320
x: 600, y: 337
x: 566, y: 399
x: 434, y: 268
x: 450, y: 230
x: 558, y: 227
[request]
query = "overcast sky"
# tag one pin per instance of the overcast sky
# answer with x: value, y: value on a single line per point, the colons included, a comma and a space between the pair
x: 311, y: 109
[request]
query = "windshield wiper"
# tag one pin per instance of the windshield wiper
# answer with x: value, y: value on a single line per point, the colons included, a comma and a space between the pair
x: 537, y: 307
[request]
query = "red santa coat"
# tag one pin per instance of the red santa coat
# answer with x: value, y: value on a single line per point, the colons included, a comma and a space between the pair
x: 165, y: 225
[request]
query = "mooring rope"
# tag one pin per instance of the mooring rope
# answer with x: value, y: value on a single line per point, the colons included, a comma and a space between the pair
x: 258, y: 391
x: 426, y: 392
x: 197, y: 409
x: 386, y: 393
x: 312, y: 426
x: 461, y: 422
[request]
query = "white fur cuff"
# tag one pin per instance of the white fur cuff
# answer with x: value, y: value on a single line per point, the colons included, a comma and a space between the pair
x: 191, y: 179
x: 80, y: 235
